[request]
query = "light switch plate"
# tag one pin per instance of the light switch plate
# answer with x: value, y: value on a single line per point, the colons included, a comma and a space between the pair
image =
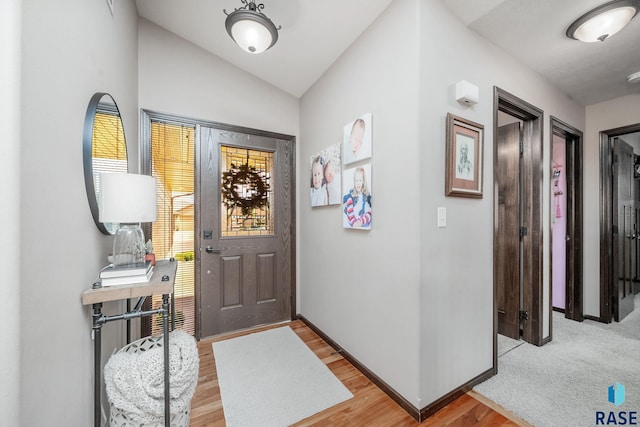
x: 442, y: 217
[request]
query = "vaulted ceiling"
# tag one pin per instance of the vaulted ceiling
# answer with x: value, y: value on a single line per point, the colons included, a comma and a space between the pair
x: 315, y: 33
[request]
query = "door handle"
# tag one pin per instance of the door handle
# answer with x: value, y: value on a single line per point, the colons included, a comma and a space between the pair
x: 210, y: 250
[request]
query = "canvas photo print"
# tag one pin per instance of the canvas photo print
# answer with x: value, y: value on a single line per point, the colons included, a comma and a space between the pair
x: 356, y: 198
x: 356, y: 140
x: 325, y: 175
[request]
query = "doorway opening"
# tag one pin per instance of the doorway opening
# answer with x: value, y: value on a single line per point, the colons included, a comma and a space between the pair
x: 619, y: 221
x: 227, y: 215
x: 566, y: 221
x: 518, y: 287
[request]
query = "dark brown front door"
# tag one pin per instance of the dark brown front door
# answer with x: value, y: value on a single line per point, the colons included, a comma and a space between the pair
x: 625, y: 229
x: 245, y: 230
x: 508, y: 233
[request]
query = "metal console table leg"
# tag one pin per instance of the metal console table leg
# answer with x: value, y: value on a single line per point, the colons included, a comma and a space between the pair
x: 97, y: 352
x: 165, y: 332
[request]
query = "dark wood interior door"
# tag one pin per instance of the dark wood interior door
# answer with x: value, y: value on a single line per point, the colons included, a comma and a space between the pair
x: 245, y: 230
x: 574, y: 240
x: 625, y: 208
x: 507, y: 263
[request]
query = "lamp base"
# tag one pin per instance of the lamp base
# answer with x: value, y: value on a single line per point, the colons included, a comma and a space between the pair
x: 128, y: 246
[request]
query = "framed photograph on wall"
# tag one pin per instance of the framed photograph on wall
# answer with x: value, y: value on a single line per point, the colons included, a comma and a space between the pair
x: 325, y: 182
x: 465, y: 158
x: 356, y: 199
x: 356, y: 140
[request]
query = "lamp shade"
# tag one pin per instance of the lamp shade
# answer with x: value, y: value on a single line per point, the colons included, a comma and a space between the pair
x: 127, y: 198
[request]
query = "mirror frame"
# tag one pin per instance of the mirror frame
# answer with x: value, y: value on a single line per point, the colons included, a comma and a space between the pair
x: 87, y: 155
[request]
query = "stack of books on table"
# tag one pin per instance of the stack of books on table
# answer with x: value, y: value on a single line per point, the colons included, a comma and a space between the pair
x: 125, y: 275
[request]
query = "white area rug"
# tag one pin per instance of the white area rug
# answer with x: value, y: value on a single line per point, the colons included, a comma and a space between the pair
x: 272, y: 378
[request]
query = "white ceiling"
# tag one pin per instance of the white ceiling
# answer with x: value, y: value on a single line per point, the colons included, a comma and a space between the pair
x: 315, y: 33
x: 534, y: 32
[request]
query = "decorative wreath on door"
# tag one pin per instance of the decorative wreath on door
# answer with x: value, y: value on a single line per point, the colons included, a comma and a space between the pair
x: 255, y: 184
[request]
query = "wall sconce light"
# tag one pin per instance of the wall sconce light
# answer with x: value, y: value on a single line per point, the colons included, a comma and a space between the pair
x: 250, y: 28
x: 128, y: 199
x: 603, y: 21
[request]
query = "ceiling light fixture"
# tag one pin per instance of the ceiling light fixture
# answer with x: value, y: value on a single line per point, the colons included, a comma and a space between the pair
x: 603, y: 21
x: 634, y: 78
x: 250, y: 28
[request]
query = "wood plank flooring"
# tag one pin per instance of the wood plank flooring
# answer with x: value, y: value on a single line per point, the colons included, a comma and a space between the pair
x: 369, y: 406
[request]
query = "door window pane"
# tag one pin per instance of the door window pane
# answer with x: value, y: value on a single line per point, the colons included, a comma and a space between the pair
x: 247, y: 199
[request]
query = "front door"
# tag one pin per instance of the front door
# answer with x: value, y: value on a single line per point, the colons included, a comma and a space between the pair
x: 508, y: 265
x: 625, y: 229
x: 245, y: 231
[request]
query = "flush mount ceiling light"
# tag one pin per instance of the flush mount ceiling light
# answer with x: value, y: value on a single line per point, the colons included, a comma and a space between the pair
x: 634, y: 78
x: 250, y: 28
x: 603, y: 21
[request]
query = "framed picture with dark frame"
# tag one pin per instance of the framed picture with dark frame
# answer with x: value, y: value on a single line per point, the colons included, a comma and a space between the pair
x: 465, y: 158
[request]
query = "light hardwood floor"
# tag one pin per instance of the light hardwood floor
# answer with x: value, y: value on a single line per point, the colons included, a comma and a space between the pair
x: 369, y: 406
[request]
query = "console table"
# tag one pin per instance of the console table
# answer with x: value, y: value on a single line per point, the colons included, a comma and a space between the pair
x: 161, y: 283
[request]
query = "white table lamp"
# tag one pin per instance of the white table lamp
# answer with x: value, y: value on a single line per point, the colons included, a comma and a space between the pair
x: 128, y: 199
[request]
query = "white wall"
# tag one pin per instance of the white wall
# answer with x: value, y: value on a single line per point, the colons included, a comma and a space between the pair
x: 348, y: 279
x: 603, y: 116
x: 362, y: 287
x: 71, y: 49
x: 179, y: 78
x: 457, y: 261
x: 10, y: 44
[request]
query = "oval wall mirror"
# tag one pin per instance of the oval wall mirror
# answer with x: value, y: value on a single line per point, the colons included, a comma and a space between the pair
x: 104, y: 149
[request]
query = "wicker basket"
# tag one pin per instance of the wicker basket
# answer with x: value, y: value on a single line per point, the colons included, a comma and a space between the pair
x: 120, y: 418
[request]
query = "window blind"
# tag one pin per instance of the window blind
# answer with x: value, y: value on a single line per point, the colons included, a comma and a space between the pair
x: 172, y: 235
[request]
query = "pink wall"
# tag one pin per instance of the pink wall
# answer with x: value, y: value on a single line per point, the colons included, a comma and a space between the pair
x: 559, y: 221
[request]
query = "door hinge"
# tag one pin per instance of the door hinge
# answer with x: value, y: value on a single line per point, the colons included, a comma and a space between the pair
x: 521, y: 147
x: 523, y: 315
x: 523, y: 231
x: 614, y: 229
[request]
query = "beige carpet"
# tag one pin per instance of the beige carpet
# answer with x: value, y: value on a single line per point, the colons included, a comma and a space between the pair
x: 565, y: 382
